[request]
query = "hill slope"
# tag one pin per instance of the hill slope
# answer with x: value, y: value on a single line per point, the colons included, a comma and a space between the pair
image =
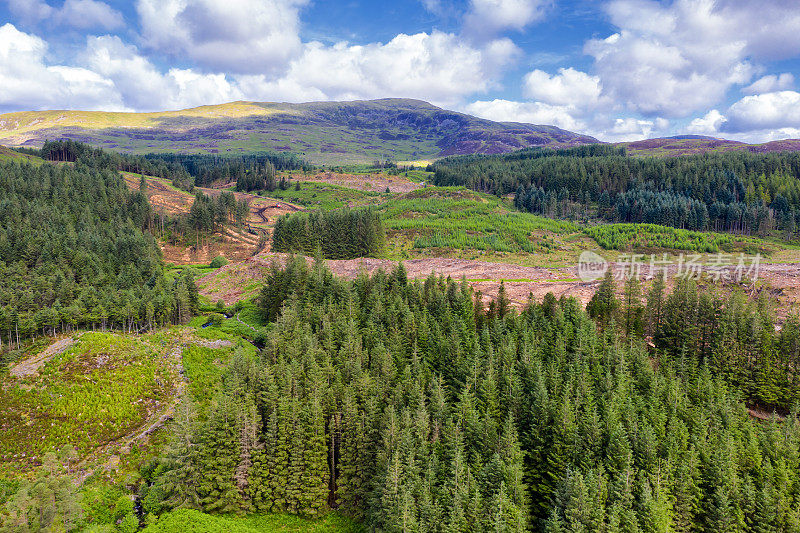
x: 323, y: 132
x: 696, y: 144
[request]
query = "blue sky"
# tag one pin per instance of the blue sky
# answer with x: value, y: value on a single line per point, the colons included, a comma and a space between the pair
x: 616, y: 69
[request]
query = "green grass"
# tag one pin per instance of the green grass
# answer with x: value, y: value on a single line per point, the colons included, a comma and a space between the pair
x: 100, y: 389
x: 326, y: 196
x: 7, y: 154
x: 417, y: 175
x: 655, y: 237
x: 203, y: 368
x: 191, y: 521
x: 456, y: 218
x: 173, y: 271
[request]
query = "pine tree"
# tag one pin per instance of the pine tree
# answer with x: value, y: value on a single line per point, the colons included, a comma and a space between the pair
x: 604, y: 305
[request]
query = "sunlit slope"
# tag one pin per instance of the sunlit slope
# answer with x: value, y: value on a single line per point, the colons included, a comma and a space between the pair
x: 323, y: 132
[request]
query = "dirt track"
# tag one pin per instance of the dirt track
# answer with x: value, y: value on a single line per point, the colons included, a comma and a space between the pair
x: 234, y: 245
x: 520, y: 281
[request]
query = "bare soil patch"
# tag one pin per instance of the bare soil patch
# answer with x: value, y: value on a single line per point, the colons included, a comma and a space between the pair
x: 233, y: 244
x: 364, y: 182
x: 32, y: 365
x: 234, y: 282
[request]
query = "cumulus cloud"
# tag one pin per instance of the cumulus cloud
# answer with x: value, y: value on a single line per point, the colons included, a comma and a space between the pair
x: 143, y: 87
x: 29, y: 11
x: 770, y: 83
x: 26, y: 81
x: 435, y: 66
x: 531, y: 112
x: 112, y: 74
x: 765, y: 111
x: 86, y: 14
x: 680, y: 57
x: 709, y: 124
x: 568, y: 87
x: 568, y: 117
x: 631, y: 128
x: 236, y: 36
x: 670, y: 60
x: 486, y: 18
x: 81, y: 14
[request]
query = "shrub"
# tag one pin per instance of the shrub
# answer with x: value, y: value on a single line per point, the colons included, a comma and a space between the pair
x: 218, y: 262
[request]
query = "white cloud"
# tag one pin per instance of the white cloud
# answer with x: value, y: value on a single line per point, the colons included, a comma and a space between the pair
x: 768, y: 27
x: 765, y: 111
x: 30, y: 11
x: 486, y: 18
x: 677, y: 58
x: 27, y: 82
x: 531, y: 112
x: 112, y: 74
x: 438, y: 67
x: 81, y: 14
x: 669, y: 60
x: 142, y: 87
x: 85, y: 14
x: 770, y: 83
x: 568, y: 87
x: 709, y: 124
x: 570, y: 118
x: 235, y: 36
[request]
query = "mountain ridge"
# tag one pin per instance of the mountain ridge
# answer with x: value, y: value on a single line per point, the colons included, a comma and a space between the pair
x: 323, y: 132
x: 328, y: 132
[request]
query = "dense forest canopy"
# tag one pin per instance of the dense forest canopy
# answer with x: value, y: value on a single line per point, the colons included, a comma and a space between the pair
x: 74, y: 253
x: 732, y: 191
x: 207, y: 169
x: 185, y: 170
x: 409, y: 406
x: 339, y: 234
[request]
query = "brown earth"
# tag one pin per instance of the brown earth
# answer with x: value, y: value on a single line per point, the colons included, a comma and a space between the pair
x: 364, y: 182
x: 781, y: 281
x: 32, y: 365
x: 238, y: 281
x: 233, y: 244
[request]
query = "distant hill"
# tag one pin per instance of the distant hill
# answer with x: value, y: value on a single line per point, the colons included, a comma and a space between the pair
x: 697, y: 144
x: 322, y: 132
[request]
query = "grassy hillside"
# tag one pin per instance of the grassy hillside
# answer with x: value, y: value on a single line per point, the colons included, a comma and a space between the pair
x: 689, y: 145
x: 322, y: 132
x: 100, y: 388
x: 7, y: 154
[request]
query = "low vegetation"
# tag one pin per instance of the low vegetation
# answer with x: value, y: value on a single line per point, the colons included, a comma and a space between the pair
x: 98, y: 390
x: 183, y: 520
x: 653, y: 237
x: 460, y: 219
x: 324, y: 196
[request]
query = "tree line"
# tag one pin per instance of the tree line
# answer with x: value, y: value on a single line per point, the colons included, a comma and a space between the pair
x: 75, y: 253
x: 337, y: 234
x: 184, y: 170
x: 206, y: 168
x: 739, y: 191
x: 411, y: 407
